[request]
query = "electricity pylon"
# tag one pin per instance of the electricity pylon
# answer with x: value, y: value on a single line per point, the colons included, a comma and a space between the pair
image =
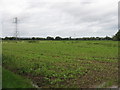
x: 16, y: 27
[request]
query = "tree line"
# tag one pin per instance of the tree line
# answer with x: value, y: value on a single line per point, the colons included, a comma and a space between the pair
x: 116, y: 37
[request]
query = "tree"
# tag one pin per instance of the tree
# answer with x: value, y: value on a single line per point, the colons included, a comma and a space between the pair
x: 107, y: 38
x: 50, y: 38
x: 9, y: 38
x: 117, y: 36
x: 33, y: 38
x: 58, y: 38
x: 6, y: 38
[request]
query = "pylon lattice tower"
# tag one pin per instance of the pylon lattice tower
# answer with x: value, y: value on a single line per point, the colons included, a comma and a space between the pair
x: 16, y: 27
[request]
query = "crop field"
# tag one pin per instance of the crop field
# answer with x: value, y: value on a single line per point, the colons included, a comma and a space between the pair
x: 63, y: 64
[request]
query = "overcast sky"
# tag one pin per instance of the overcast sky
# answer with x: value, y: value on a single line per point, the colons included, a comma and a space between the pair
x: 65, y: 18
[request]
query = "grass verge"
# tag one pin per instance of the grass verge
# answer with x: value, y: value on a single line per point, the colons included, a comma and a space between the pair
x: 11, y: 80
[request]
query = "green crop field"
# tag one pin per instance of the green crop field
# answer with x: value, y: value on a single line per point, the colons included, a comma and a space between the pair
x: 63, y: 64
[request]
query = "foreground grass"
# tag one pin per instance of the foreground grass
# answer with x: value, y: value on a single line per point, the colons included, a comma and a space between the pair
x: 11, y: 80
x: 0, y: 77
x: 63, y: 63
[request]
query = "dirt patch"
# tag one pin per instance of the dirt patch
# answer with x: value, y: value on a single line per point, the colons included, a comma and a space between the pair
x: 37, y: 80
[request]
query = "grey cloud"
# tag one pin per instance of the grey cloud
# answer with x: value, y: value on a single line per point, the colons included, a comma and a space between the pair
x: 65, y: 19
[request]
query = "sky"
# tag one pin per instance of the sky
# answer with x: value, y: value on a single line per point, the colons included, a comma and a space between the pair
x: 65, y: 18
